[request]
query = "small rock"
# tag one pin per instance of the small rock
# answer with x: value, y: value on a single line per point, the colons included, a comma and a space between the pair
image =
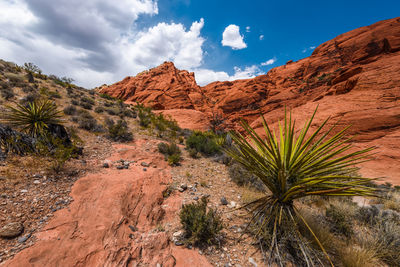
x: 253, y: 262
x: 36, y: 182
x: 196, y: 198
x: 177, y: 234
x: 106, y: 165
x: 144, y: 169
x: 11, y: 230
x: 133, y: 228
x: 224, y: 201
x: 24, y: 191
x: 232, y: 204
x: 145, y: 164
x: 4, y: 195
x: 126, y: 167
x: 119, y: 167
x: 22, y: 239
x: 37, y: 176
x: 19, y: 215
x: 184, y: 186
x: 178, y: 243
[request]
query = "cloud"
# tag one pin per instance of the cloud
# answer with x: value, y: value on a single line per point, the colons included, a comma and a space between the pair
x: 308, y: 49
x: 97, y: 43
x: 231, y: 37
x: 261, y: 37
x: 206, y: 76
x: 269, y: 62
x: 248, y: 29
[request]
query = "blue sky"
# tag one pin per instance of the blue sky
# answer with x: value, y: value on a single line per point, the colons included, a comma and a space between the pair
x: 101, y: 42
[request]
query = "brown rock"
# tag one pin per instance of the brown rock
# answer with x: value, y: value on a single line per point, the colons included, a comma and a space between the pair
x: 11, y: 230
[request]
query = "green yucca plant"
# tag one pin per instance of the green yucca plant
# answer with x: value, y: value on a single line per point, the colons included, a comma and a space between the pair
x: 35, y: 118
x: 293, y: 166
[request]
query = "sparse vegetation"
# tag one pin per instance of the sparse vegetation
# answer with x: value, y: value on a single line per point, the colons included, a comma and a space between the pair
x: 203, y: 142
x: 201, y: 226
x: 171, y: 152
x: 118, y: 131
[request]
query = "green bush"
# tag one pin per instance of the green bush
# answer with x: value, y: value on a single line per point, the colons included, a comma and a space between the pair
x: 70, y: 110
x: 119, y: 131
x: 87, y: 122
x: 171, y: 152
x: 201, y: 226
x: 88, y: 100
x: 203, y: 142
x: 105, y: 96
x: 86, y: 105
x: 99, y: 110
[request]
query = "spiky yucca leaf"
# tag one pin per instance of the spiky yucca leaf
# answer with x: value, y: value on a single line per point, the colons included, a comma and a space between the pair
x: 35, y: 118
x: 296, y: 166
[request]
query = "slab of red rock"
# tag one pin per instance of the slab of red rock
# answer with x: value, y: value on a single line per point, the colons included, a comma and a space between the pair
x: 188, y: 118
x: 96, y: 229
x: 353, y: 78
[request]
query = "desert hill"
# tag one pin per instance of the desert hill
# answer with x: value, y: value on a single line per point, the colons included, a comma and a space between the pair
x: 352, y: 78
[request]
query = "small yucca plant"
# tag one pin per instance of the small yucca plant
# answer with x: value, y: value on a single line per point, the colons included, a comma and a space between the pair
x: 295, y: 166
x: 35, y: 118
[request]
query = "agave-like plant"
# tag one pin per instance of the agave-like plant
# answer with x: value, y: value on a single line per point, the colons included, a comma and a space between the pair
x: 293, y: 166
x: 35, y: 118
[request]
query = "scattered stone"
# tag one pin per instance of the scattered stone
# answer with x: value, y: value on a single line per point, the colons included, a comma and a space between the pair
x: 182, y: 188
x: 106, y: 165
x: 119, y: 167
x: 4, y: 195
x: 11, y: 230
x: 144, y: 169
x: 145, y: 164
x: 232, y: 204
x: 224, y: 201
x: 37, y: 176
x: 22, y: 239
x: 36, y: 182
x: 178, y: 243
x: 24, y: 191
x: 196, y: 198
x: 133, y: 228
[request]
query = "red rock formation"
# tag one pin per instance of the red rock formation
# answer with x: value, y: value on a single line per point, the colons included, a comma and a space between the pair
x: 163, y: 87
x: 354, y: 78
x: 95, y: 230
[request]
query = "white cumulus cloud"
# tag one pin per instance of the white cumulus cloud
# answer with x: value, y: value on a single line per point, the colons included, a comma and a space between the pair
x: 206, y: 76
x: 248, y: 29
x: 269, y: 62
x: 261, y: 37
x: 231, y: 37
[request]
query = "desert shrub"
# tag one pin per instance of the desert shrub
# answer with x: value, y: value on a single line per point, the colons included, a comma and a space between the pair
x: 86, y: 105
x: 99, y: 109
x: 15, y: 142
x: 112, y: 111
x: 119, y: 132
x: 108, y: 104
x: 340, y: 220
x: 36, y: 118
x: 171, y: 152
x: 243, y: 177
x: 74, y: 102
x: 88, y: 122
x: 92, y: 92
x: 201, y: 226
x: 129, y: 113
x: 108, y: 97
x: 70, y: 110
x: 28, y: 89
x: 87, y: 100
x: 32, y: 97
x: 7, y: 93
x: 144, y: 114
x: 293, y: 167
x: 203, y: 142
x: 15, y: 79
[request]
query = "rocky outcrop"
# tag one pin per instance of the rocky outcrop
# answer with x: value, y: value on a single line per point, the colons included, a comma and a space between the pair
x: 113, y: 219
x: 163, y: 87
x: 353, y: 78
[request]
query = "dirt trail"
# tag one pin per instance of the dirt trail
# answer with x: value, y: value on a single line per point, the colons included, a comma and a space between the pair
x: 95, y: 230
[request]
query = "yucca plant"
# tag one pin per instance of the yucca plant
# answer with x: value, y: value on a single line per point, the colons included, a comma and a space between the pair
x: 294, y: 166
x: 35, y: 118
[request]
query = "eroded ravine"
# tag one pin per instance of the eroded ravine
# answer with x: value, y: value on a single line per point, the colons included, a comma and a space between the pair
x: 96, y: 229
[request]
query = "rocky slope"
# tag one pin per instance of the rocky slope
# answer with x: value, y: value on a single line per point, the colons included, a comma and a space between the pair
x: 352, y: 78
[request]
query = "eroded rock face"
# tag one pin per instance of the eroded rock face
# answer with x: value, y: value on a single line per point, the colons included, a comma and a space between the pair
x: 113, y: 218
x: 353, y: 78
x: 163, y: 87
